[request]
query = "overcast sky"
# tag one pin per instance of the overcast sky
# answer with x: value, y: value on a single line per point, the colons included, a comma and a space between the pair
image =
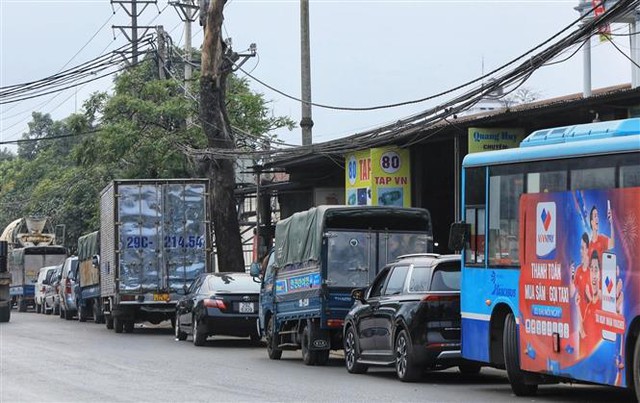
x: 363, y: 53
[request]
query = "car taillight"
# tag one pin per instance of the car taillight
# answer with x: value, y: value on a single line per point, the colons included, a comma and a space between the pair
x: 440, y: 297
x: 214, y: 303
x: 67, y: 286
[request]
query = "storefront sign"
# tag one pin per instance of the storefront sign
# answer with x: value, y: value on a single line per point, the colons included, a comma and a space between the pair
x: 378, y: 177
x: 489, y: 139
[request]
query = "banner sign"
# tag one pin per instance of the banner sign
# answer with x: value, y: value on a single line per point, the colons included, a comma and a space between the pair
x: 489, y: 139
x: 378, y: 177
x: 580, y: 255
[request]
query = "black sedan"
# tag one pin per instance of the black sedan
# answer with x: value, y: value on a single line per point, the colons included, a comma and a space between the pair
x: 408, y: 318
x: 218, y: 304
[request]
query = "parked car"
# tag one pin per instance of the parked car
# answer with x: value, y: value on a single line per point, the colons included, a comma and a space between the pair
x: 67, y: 289
x: 41, y: 287
x: 52, y: 292
x: 408, y: 318
x: 218, y: 304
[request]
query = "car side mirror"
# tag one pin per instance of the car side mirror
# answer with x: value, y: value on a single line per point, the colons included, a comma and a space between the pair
x: 459, y: 235
x: 358, y: 294
x: 254, y: 270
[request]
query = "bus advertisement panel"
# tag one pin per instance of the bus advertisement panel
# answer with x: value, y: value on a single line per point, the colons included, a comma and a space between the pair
x: 579, y: 280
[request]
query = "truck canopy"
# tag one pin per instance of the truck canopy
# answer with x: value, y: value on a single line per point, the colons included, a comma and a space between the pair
x: 299, y: 237
x: 89, y: 246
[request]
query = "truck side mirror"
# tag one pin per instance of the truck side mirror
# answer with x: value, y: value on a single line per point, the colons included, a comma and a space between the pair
x: 459, y: 235
x: 254, y: 270
x: 358, y: 294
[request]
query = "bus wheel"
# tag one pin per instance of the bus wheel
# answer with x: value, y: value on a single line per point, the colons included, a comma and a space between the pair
x: 636, y: 368
x: 512, y: 361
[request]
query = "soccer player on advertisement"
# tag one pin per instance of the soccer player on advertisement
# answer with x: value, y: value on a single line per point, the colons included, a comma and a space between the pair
x: 581, y: 287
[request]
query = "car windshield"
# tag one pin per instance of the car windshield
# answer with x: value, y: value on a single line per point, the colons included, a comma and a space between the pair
x: 350, y: 257
x: 233, y: 282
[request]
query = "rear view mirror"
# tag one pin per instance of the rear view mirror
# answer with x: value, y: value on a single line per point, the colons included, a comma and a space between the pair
x: 255, y: 269
x: 358, y: 294
x: 458, y: 235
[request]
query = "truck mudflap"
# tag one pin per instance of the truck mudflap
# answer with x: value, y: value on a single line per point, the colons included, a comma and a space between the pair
x: 320, y: 338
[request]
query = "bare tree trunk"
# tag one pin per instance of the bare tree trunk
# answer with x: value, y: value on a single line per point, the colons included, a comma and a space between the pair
x: 215, y: 122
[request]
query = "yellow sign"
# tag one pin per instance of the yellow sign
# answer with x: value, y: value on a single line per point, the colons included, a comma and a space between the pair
x: 483, y: 139
x: 378, y: 177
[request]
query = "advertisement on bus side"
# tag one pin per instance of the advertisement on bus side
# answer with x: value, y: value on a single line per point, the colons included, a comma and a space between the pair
x: 579, y: 282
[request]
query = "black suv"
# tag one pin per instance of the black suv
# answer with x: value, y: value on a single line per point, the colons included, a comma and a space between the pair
x: 409, y: 317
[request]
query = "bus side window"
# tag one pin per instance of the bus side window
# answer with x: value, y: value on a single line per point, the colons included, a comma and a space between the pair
x: 629, y: 176
x: 475, y: 202
x: 504, y: 199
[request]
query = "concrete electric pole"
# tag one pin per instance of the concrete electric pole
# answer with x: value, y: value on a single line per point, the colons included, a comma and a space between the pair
x: 306, y: 123
x: 131, y: 8
x: 187, y: 10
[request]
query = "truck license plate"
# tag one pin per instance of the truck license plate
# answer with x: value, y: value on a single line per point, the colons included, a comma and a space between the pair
x: 161, y: 297
x: 246, y: 307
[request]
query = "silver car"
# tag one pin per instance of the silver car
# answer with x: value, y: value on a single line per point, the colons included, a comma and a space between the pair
x: 51, y: 293
x: 68, y: 287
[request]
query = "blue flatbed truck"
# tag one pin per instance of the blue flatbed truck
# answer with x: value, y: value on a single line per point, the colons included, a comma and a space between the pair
x: 320, y: 256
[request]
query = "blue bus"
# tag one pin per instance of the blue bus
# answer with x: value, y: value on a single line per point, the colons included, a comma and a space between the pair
x: 551, y: 257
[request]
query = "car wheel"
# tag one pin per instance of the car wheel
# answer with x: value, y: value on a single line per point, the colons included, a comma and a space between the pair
x: 199, y: 338
x: 469, y: 368
x: 406, y: 368
x: 636, y: 368
x: 108, y: 321
x: 351, y: 353
x: 512, y: 360
x: 272, y: 343
x: 128, y: 326
x: 118, y: 325
x: 307, y: 354
x: 180, y: 335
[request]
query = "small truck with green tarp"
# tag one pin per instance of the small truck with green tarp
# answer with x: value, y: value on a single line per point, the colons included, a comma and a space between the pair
x: 88, y: 278
x: 321, y: 255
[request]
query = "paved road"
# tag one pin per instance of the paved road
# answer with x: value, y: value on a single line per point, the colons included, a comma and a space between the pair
x: 45, y: 359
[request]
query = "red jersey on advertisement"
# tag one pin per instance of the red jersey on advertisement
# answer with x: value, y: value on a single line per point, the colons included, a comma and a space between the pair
x: 593, y: 331
x: 599, y: 244
x: 582, y: 282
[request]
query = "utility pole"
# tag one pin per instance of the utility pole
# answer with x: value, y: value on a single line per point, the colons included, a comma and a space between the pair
x: 162, y: 52
x: 131, y: 8
x: 306, y: 123
x: 187, y: 11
